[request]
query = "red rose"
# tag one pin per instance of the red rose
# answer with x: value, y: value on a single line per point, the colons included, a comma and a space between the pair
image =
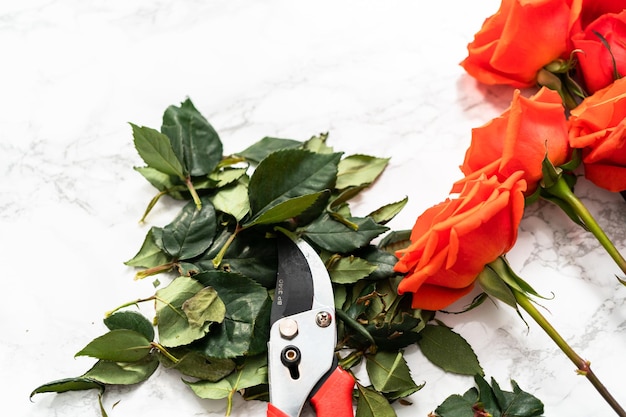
x: 595, y: 59
x: 518, y: 140
x: 519, y: 40
x: 453, y: 241
x: 598, y: 127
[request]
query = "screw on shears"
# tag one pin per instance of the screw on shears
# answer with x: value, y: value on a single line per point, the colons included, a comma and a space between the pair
x: 323, y: 319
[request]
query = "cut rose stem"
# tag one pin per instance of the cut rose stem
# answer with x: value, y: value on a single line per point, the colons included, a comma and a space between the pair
x: 584, y: 367
x: 562, y: 190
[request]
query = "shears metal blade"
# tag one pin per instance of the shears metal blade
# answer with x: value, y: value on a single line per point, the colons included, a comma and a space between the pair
x: 302, y: 365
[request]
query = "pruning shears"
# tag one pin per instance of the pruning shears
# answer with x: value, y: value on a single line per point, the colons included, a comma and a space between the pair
x: 302, y: 365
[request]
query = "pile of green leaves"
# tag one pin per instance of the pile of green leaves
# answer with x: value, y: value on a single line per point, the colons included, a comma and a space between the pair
x: 485, y: 401
x: 212, y: 311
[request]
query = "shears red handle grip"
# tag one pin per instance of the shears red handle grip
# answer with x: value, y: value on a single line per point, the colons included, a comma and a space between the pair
x: 333, y: 399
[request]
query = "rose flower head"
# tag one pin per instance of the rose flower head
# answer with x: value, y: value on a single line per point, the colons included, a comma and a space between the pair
x: 451, y: 242
x: 602, y: 51
x: 518, y: 140
x: 598, y: 127
x: 518, y: 41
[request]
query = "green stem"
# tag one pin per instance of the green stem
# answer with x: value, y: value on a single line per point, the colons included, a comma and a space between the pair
x: 562, y: 190
x: 583, y: 366
x: 128, y: 304
x: 220, y: 255
x: 164, y: 352
x: 194, y: 193
x: 154, y: 270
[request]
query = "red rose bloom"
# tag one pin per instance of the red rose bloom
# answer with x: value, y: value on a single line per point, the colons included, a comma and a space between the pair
x: 598, y: 62
x: 598, y: 127
x: 519, y: 40
x: 453, y: 241
x: 518, y: 140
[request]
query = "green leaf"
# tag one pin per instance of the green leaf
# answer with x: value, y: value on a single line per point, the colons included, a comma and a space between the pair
x: 156, y: 151
x: 334, y: 236
x: 286, y: 210
x: 130, y: 320
x: 68, y: 384
x: 193, y: 140
x: 172, y: 185
x: 372, y: 404
x: 387, y: 212
x: 245, y: 329
x: 517, y: 403
x: 261, y: 149
x: 456, y: 406
x: 287, y: 174
x: 249, y: 255
x: 318, y: 144
x: 195, y: 364
x: 358, y: 170
x: 448, y: 350
x: 150, y: 254
x: 191, y: 232
x: 253, y: 372
x: 383, y: 260
x: 204, y: 307
x: 227, y: 176
x: 350, y: 269
x: 388, y: 372
x: 121, y: 345
x: 120, y: 373
x: 173, y: 324
x: 232, y: 200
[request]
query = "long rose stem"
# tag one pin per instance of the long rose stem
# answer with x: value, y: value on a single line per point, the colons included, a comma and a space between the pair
x: 562, y: 190
x: 582, y: 365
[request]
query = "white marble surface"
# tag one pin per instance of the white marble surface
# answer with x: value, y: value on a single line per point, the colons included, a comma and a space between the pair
x: 381, y: 77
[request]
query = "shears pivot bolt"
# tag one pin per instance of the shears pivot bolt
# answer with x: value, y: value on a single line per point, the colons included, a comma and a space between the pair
x: 288, y: 328
x: 323, y: 319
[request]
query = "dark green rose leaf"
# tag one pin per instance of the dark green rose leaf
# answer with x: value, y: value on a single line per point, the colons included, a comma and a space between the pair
x: 130, y: 320
x: 249, y: 254
x: 191, y: 232
x: 173, y: 324
x: 121, y: 345
x: 156, y: 151
x: 349, y: 269
x: 253, y: 372
x: 334, y: 236
x: 372, y: 404
x: 122, y: 373
x: 387, y: 212
x: 195, y: 364
x: 288, y: 174
x: 193, y: 140
x: 383, y: 260
x: 456, y: 406
x: 517, y: 403
x: 358, y: 170
x: 448, y: 350
x: 68, y: 384
x: 287, y: 209
x: 245, y: 329
x: 261, y: 149
x: 388, y: 372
